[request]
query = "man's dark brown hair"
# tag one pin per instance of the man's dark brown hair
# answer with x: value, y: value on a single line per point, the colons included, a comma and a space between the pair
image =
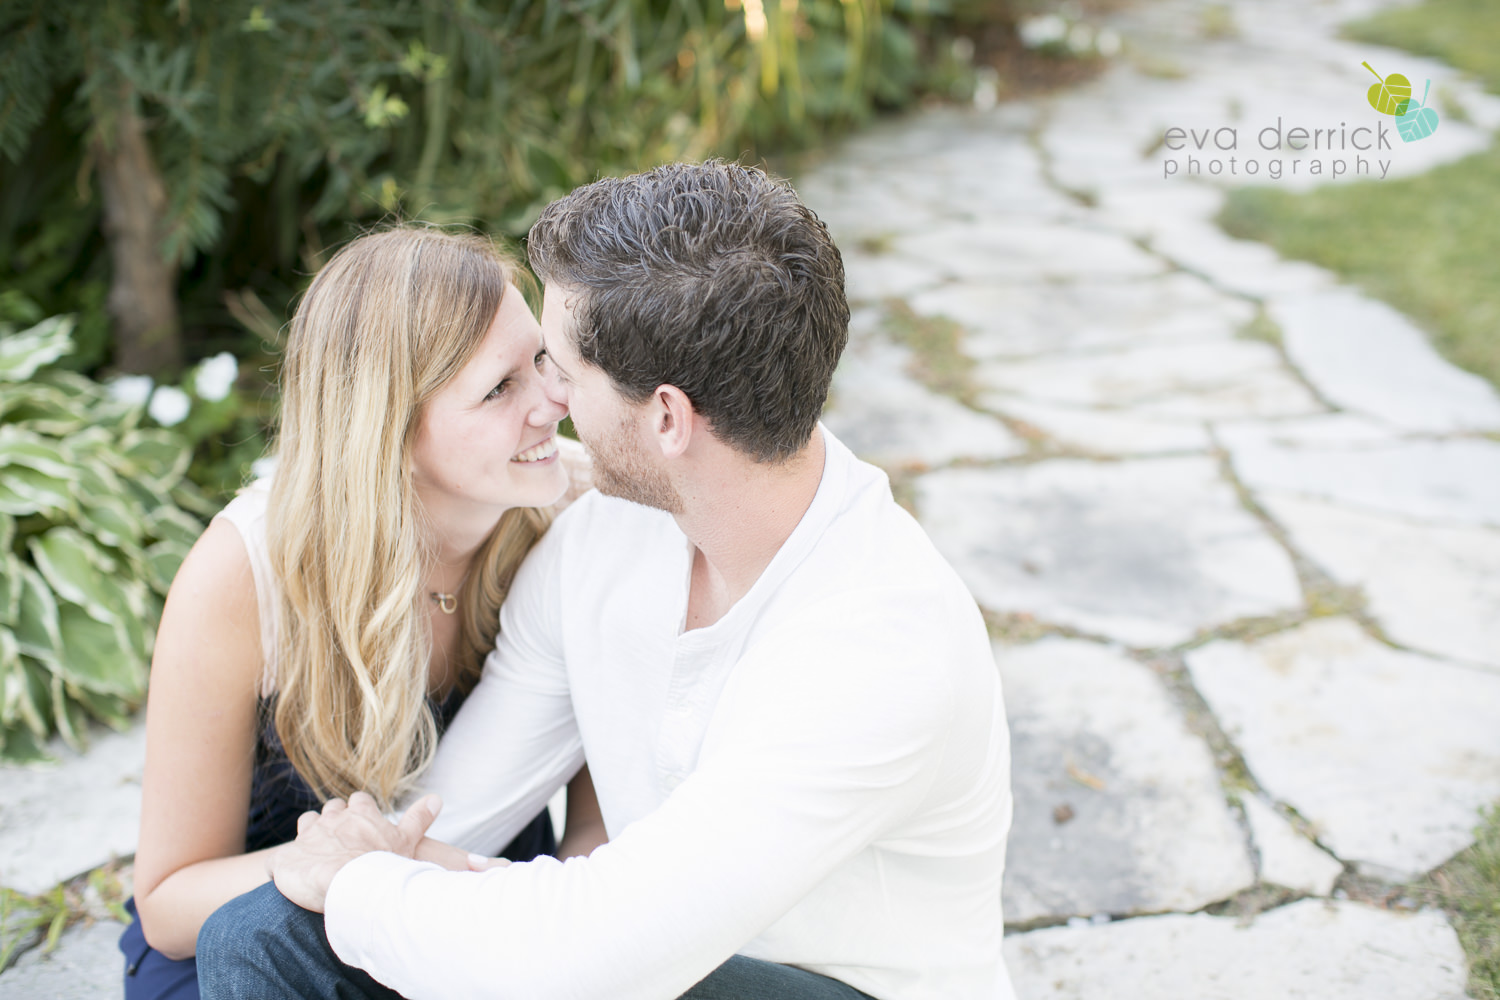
x: 710, y: 277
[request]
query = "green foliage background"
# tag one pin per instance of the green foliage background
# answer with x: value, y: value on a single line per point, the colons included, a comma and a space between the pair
x: 280, y: 127
x: 92, y: 530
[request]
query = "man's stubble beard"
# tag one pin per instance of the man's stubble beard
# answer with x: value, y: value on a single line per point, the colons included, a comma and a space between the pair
x: 620, y: 470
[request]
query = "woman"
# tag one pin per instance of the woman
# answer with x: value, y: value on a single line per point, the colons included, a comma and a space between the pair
x: 325, y: 628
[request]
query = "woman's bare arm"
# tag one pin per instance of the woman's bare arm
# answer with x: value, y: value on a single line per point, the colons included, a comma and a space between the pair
x: 201, y: 723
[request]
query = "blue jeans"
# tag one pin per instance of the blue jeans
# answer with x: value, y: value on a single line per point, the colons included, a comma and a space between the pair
x: 261, y: 946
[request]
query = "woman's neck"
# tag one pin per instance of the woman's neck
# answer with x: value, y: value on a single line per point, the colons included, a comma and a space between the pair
x: 454, y: 538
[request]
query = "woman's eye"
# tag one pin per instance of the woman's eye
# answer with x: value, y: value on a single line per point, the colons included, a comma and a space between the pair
x: 498, y: 391
x: 541, y: 357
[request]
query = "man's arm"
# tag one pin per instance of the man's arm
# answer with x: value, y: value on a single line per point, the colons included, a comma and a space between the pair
x: 807, y: 762
x: 515, y: 742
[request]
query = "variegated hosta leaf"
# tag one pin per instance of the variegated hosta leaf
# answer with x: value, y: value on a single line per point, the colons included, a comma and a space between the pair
x: 190, y: 498
x: 47, y: 455
x: 45, y: 409
x: 67, y: 715
x: 172, y: 524
x: 97, y: 480
x: 21, y: 354
x: 159, y: 457
x: 26, y: 491
x: 36, y: 625
x: 79, y: 571
x: 163, y: 560
x: 112, y: 710
x: 36, y: 699
x: 12, y: 681
x: 19, y: 746
x: 110, y: 521
x: 77, y: 627
x: 10, y: 586
x: 97, y: 656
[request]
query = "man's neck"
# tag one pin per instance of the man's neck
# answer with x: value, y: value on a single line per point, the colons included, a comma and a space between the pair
x: 738, y: 518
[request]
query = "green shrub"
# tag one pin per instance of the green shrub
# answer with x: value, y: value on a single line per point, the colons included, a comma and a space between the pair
x: 93, y: 527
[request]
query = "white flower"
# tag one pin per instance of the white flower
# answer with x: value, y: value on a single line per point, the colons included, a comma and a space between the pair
x: 1038, y: 31
x: 1081, y: 38
x: 1108, y: 42
x: 215, y: 377
x: 132, y: 389
x: 169, y: 406
x: 986, y: 88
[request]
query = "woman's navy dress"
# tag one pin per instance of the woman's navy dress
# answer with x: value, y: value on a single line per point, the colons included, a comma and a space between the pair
x: 278, y: 795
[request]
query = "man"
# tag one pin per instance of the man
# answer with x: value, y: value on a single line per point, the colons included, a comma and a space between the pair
x: 785, y: 696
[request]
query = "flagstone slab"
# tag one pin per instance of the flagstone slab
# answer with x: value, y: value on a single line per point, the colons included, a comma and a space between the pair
x: 887, y: 417
x: 1190, y: 381
x: 1342, y: 431
x: 1312, y: 950
x: 86, y: 964
x: 1101, y: 432
x: 1118, y: 807
x: 59, y: 820
x: 1147, y: 552
x: 1389, y: 754
x: 1024, y: 249
x: 877, y: 276
x: 1232, y: 265
x: 1433, y: 588
x: 1286, y: 858
x: 1019, y: 320
x: 1453, y: 481
x: 1368, y: 358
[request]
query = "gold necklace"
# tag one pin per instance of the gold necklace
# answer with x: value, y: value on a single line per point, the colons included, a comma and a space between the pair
x: 447, y: 602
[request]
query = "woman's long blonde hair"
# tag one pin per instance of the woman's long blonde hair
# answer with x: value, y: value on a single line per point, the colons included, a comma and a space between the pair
x: 385, y: 324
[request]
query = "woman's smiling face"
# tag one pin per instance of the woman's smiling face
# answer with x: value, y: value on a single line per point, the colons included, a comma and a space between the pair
x: 489, y: 436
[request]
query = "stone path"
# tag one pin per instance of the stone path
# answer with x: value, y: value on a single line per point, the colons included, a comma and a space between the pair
x: 1236, y: 526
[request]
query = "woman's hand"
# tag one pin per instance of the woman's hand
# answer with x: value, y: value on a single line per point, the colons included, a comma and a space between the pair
x: 304, y: 869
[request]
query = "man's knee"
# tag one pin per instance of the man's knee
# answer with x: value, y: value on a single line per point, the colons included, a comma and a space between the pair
x: 241, y: 942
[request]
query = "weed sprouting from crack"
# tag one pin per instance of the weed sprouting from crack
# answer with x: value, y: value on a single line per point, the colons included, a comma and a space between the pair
x: 1263, y: 328
x: 1322, y: 595
x: 29, y: 921
x: 936, y: 344
x: 1250, y: 903
x: 1017, y: 628
x: 1234, y: 774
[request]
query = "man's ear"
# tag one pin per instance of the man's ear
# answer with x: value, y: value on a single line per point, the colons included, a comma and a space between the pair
x: 672, y: 416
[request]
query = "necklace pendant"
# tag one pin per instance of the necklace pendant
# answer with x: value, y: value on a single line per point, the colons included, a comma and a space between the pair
x: 448, y: 603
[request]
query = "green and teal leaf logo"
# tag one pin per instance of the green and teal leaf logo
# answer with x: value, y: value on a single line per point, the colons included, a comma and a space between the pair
x: 1417, y: 122
x: 1392, y: 96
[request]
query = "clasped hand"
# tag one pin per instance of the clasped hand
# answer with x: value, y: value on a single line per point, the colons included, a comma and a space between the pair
x: 326, y: 842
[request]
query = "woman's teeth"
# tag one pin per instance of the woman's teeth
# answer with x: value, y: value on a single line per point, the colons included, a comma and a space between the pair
x: 545, y: 450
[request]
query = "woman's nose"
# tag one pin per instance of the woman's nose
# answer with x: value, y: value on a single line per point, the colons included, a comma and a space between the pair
x: 552, y: 401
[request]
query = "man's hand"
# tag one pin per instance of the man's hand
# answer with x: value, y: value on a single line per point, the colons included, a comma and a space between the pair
x: 304, y: 869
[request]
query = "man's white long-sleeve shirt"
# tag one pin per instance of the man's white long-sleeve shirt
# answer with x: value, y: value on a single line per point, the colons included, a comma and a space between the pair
x: 820, y: 778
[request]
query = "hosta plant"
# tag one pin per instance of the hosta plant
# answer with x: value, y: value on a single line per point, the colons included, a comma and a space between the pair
x: 94, y: 521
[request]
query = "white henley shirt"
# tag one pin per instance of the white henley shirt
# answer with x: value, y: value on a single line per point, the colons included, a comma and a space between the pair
x: 820, y: 778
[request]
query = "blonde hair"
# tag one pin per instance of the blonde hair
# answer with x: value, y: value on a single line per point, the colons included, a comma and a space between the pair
x: 385, y: 324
